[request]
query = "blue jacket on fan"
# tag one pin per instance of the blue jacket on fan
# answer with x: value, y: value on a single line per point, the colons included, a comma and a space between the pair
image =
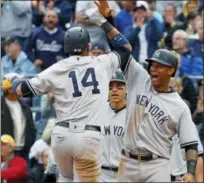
x: 190, y: 65
x: 153, y: 33
x: 197, y: 46
x: 122, y: 20
x: 64, y: 10
x: 45, y: 46
x: 22, y: 65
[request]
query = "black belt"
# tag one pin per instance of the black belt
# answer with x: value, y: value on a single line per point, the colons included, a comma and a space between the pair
x: 87, y: 127
x: 175, y: 178
x: 110, y: 168
x: 139, y: 157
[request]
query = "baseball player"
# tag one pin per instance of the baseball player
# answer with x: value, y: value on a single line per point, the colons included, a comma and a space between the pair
x: 178, y: 161
x: 114, y: 129
x: 80, y: 86
x: 155, y: 113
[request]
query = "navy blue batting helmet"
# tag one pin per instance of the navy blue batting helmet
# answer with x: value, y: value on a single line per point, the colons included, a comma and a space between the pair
x: 164, y: 57
x: 75, y: 40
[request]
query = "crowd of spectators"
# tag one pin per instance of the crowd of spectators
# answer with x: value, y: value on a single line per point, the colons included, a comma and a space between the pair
x: 32, y: 35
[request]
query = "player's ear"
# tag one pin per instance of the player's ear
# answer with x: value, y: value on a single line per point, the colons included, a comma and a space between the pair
x: 87, y: 48
x: 171, y: 71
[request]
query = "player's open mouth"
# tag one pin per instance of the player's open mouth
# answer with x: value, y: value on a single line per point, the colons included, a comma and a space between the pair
x: 154, y: 76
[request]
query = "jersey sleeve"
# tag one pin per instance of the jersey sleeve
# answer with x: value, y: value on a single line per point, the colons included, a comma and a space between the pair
x: 200, y: 147
x: 134, y: 69
x: 186, y: 130
x: 42, y: 83
x: 135, y: 74
x: 111, y: 62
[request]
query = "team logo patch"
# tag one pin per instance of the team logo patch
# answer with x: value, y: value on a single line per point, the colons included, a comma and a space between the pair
x: 114, y: 76
x: 77, y: 50
x: 157, y: 53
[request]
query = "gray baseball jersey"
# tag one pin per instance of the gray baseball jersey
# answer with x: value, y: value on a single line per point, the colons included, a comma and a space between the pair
x: 80, y: 86
x: 154, y: 118
x: 114, y: 131
x: 178, y: 157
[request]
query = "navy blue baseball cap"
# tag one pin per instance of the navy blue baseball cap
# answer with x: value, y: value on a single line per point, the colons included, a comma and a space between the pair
x: 97, y: 46
x: 8, y: 40
x: 118, y: 77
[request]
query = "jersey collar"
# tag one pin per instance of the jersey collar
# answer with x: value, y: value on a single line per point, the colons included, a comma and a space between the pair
x: 169, y: 92
x: 117, y: 110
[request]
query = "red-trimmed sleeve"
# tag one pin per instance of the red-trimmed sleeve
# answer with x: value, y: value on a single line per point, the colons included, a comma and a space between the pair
x: 16, y: 171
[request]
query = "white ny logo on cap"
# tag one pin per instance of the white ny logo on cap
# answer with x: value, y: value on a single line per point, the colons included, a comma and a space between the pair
x: 114, y: 76
x: 157, y: 53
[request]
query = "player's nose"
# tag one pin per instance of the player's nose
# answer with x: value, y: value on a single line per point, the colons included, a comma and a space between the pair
x: 114, y: 89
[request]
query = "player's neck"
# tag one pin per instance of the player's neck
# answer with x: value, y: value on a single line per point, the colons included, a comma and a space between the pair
x: 84, y: 54
x: 163, y: 89
x: 118, y: 106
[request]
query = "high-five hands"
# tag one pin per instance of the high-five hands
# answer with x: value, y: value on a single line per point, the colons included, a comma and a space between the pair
x: 104, y: 8
x: 98, y: 15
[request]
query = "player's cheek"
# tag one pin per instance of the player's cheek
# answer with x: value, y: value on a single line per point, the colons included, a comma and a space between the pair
x: 124, y: 94
x: 110, y: 92
x: 120, y: 93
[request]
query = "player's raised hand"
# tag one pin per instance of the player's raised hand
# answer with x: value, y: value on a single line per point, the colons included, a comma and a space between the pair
x: 94, y: 16
x: 104, y: 8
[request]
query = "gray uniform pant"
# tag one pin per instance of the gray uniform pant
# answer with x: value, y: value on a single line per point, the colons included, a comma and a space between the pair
x: 132, y: 170
x: 108, y: 176
x: 77, y: 153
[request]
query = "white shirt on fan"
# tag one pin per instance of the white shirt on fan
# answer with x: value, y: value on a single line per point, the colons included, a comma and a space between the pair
x: 18, y: 122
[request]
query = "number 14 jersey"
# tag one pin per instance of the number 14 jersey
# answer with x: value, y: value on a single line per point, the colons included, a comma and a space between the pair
x: 80, y: 86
